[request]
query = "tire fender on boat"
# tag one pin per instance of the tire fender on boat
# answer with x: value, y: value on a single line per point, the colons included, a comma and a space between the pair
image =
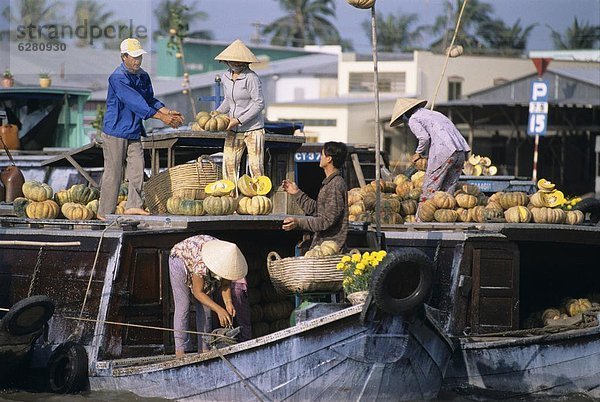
x: 67, y: 370
x: 591, y: 205
x: 28, y: 316
x: 402, y: 281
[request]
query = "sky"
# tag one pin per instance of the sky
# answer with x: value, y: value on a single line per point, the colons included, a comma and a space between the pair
x: 231, y: 19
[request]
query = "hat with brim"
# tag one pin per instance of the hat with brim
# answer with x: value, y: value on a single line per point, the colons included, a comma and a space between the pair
x: 237, y: 51
x: 224, y: 259
x: 132, y: 47
x: 402, y: 106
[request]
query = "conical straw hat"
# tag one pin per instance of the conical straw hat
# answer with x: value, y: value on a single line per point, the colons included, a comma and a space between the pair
x: 402, y: 106
x: 224, y: 259
x: 237, y: 51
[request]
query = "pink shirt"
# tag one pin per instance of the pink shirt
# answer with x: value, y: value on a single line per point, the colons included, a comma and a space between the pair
x: 438, y: 137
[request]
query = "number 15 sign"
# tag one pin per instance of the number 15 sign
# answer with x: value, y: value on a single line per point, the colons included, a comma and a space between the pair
x: 538, y: 108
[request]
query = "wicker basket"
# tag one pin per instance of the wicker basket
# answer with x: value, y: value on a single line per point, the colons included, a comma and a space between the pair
x: 189, y: 176
x: 304, y: 274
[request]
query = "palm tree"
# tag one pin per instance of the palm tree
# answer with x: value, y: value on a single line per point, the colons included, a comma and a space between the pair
x: 577, y: 36
x: 394, y: 32
x: 305, y: 22
x: 476, y: 13
x: 91, y: 13
x: 187, y: 14
x: 35, y: 13
x: 503, y: 39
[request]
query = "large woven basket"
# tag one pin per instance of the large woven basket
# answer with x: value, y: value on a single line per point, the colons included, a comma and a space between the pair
x: 304, y: 274
x: 189, y: 176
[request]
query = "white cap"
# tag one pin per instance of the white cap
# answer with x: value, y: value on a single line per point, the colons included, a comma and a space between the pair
x: 132, y: 47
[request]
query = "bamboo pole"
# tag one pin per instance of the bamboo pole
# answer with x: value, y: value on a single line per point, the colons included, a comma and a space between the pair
x: 39, y: 243
x: 377, y: 129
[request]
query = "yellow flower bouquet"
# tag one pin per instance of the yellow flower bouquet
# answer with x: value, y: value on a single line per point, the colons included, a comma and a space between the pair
x: 358, y: 269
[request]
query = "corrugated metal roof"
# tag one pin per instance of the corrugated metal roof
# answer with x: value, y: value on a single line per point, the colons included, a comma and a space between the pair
x: 338, y: 101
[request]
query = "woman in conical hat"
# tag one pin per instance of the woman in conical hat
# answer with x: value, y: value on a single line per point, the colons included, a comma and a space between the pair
x: 438, y: 138
x: 244, y: 104
x: 198, y: 267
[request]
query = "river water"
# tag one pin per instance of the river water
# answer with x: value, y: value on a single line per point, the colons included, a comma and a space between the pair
x: 121, y: 396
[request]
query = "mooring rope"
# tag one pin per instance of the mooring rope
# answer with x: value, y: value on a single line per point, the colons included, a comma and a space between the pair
x: 437, y: 88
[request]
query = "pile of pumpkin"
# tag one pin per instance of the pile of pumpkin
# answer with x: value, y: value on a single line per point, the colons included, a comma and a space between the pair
x: 210, y: 121
x: 468, y: 204
x: 477, y: 165
x: 571, y: 308
x: 218, y: 198
x: 79, y: 202
x: 399, y: 200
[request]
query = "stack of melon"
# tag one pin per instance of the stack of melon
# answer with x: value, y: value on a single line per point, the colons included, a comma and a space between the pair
x: 79, y: 202
x: 220, y: 199
x: 546, y: 206
x: 399, y: 199
x: 210, y: 121
x: 569, y: 308
x: 477, y: 165
x: 36, y: 202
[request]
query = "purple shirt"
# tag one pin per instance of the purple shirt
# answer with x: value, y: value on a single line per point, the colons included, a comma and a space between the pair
x: 438, y: 137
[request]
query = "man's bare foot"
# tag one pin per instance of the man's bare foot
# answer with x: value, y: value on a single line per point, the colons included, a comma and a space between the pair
x: 136, y: 211
x: 179, y: 354
x: 101, y: 218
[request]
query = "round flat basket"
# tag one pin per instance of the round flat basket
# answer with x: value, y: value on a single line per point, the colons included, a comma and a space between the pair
x: 304, y: 274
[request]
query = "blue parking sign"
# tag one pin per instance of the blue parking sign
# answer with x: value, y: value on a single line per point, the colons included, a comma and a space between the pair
x: 538, y: 108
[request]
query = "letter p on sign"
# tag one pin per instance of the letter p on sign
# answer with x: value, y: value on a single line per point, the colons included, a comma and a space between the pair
x: 539, y: 91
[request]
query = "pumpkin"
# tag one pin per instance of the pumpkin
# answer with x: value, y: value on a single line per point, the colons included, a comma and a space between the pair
x: 47, y: 209
x: 36, y: 191
x: 76, y: 212
x: 173, y: 204
x: 123, y: 192
x: 191, y: 207
x: 537, y: 200
x: 490, y: 171
x: 443, y: 200
x: 251, y: 186
x: 418, y: 178
x: 364, y: 217
x: 554, y: 198
x: 408, y: 207
x: 329, y: 247
x: 219, y: 205
x: 399, y: 179
x: 548, y: 215
x: 189, y: 193
x: 354, y: 209
x: 545, y: 185
x: 574, y: 217
x: 410, y: 219
x: 362, y: 4
x: 445, y: 215
x: 577, y: 306
x: 550, y: 314
x: 201, y: 119
x: 219, y: 188
x: 421, y: 164
x: 20, y: 206
x: 403, y: 189
x: 216, y: 122
x: 62, y: 197
x: 414, y: 194
x: 369, y: 200
x: 466, y: 200
x: 513, y: 199
x: 492, y: 214
x: 390, y: 218
x: 120, y: 208
x: 495, y: 197
x: 474, y: 159
x: 467, y: 189
x: 390, y: 204
x: 426, y: 211
x: 517, y: 214
x: 354, y: 196
x: 482, y: 199
x: 476, y: 214
x: 257, y: 205
x: 93, y: 206
x: 463, y: 215
x: 384, y: 186
x: 83, y: 194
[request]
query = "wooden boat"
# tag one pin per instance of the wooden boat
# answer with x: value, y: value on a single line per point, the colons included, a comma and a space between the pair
x: 336, y: 356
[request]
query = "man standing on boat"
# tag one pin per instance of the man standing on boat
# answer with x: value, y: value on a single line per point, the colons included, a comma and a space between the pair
x: 328, y: 215
x: 439, y: 139
x: 129, y: 101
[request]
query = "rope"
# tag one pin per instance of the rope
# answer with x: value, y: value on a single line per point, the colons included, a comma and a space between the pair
x: 241, y: 376
x: 437, y: 88
x: 38, y: 264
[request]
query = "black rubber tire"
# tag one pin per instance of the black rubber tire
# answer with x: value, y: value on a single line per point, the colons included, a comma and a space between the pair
x: 591, y: 205
x: 28, y: 316
x: 402, y: 281
x: 68, y: 369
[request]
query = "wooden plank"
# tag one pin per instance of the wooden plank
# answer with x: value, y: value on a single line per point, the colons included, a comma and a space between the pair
x: 358, y: 169
x: 81, y: 170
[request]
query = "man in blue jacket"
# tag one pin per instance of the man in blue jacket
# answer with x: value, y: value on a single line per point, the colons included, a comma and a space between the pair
x: 129, y: 101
